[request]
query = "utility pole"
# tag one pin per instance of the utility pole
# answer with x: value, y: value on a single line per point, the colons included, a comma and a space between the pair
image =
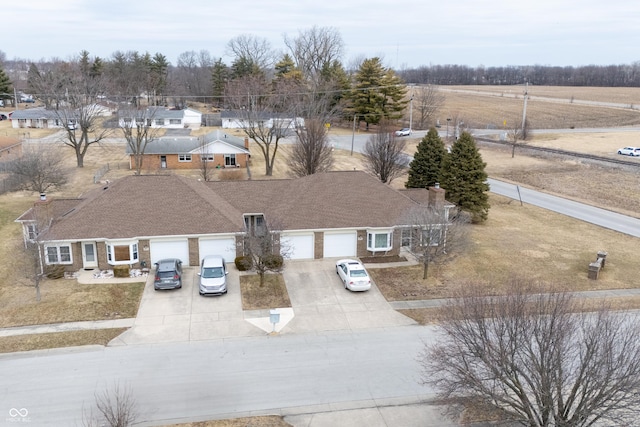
x: 524, y: 108
x: 411, y: 110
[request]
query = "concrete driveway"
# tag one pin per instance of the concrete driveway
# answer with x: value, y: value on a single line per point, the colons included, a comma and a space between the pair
x: 318, y: 298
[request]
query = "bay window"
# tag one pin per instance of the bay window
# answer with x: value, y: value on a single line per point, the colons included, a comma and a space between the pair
x: 122, y: 253
x: 379, y: 240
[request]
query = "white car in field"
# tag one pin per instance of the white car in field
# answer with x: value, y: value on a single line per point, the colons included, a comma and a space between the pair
x: 403, y: 132
x: 353, y: 275
x: 629, y: 151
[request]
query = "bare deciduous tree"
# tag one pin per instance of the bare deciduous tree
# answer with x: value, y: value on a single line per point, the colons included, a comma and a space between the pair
x: 434, y: 236
x: 428, y: 101
x: 264, y: 111
x: 263, y: 248
x: 535, y: 357
x: 515, y: 134
x: 116, y: 407
x: 206, y: 161
x: 384, y: 156
x: 138, y: 132
x: 312, y: 152
x: 40, y: 168
x: 315, y: 48
x: 252, y: 48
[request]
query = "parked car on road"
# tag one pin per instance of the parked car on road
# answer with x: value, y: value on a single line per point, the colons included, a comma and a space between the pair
x: 403, y: 132
x: 3, y: 116
x: 629, y: 151
x: 168, y: 274
x: 353, y: 275
x: 213, y: 275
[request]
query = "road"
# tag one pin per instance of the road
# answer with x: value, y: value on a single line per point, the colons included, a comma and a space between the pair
x: 209, y: 379
x: 602, y: 217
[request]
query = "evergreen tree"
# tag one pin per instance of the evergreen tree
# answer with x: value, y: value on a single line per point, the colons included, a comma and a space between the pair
x: 378, y: 93
x: 6, y: 91
x: 426, y: 166
x: 286, y: 68
x: 464, y: 178
x: 219, y: 77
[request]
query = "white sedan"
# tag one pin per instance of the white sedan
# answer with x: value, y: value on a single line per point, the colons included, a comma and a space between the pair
x: 629, y: 151
x: 353, y: 275
x: 403, y: 132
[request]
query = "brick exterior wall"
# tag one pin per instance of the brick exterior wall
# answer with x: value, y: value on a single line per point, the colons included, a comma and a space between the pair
x: 152, y: 162
x: 318, y: 245
x: 194, y: 252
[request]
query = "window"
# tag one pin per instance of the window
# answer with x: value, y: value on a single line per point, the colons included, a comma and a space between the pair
x: 32, y: 233
x: 206, y: 157
x: 160, y: 122
x: 379, y: 241
x: 60, y: 254
x: 122, y: 253
x: 175, y: 121
x: 184, y: 157
x: 431, y: 235
x: 229, y: 159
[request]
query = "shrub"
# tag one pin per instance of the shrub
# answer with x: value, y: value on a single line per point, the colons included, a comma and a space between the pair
x: 243, y: 263
x: 120, y: 271
x: 273, y: 261
x: 55, y: 271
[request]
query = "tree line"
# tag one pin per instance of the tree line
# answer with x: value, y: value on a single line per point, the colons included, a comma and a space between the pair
x: 623, y: 75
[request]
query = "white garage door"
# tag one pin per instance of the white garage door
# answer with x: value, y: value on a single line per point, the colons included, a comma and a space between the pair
x: 299, y: 246
x: 223, y: 247
x: 161, y: 249
x: 340, y: 244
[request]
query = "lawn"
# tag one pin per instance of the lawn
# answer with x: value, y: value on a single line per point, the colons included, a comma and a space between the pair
x: 271, y: 294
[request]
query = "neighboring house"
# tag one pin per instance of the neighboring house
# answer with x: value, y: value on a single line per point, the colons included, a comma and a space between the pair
x: 162, y: 117
x: 138, y: 220
x: 216, y: 148
x: 42, y: 118
x: 238, y: 120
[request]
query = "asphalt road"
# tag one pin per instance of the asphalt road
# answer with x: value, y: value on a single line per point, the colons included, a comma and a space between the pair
x: 209, y: 379
x: 602, y: 217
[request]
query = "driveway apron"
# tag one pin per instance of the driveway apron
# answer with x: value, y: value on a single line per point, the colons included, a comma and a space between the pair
x: 318, y: 298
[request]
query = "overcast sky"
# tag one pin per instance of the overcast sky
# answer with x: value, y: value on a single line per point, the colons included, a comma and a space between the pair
x: 405, y: 33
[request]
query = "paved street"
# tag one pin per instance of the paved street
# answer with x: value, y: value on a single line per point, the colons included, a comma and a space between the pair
x: 285, y: 374
x: 602, y: 217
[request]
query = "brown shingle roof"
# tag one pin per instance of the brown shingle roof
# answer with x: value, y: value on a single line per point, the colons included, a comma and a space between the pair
x: 145, y: 206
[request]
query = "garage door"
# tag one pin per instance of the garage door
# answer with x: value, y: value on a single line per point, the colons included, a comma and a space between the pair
x: 339, y: 244
x: 161, y: 249
x: 299, y: 246
x: 223, y: 247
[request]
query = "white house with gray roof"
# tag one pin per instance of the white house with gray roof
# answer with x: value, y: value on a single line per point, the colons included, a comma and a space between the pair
x: 162, y: 117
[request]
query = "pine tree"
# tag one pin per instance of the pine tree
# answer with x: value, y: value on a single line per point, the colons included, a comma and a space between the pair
x: 464, y: 178
x: 219, y: 76
x: 378, y: 93
x: 6, y: 90
x: 426, y: 166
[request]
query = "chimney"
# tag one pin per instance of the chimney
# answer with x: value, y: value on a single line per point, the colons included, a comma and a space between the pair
x: 436, y: 196
x: 246, y: 142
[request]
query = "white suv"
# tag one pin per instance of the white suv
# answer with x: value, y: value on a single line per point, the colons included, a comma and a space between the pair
x: 213, y: 275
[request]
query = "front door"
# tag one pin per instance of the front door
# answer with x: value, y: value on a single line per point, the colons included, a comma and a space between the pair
x: 163, y: 162
x: 89, y: 258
